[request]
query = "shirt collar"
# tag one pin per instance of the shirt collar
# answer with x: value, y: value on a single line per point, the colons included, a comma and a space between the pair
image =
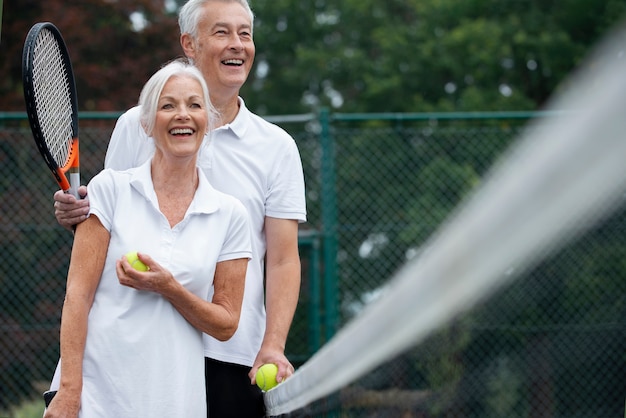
x: 205, y: 199
x: 240, y: 124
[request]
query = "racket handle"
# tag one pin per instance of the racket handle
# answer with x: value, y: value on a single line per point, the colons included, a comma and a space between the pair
x: 74, y: 183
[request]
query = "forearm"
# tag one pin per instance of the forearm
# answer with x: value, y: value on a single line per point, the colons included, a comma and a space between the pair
x: 218, y: 321
x: 86, y: 264
x: 282, y: 283
x: 282, y: 293
x: 72, y: 340
x: 220, y: 317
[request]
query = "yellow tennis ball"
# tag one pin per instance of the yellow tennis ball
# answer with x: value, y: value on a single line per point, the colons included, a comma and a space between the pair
x: 266, y: 376
x: 135, y: 262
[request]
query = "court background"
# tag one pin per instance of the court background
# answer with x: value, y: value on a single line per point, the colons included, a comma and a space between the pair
x: 550, y: 345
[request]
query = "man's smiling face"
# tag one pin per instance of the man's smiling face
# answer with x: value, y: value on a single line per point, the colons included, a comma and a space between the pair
x: 224, y: 50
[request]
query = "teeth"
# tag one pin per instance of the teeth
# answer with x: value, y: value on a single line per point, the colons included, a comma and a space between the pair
x: 181, y: 131
x: 234, y: 61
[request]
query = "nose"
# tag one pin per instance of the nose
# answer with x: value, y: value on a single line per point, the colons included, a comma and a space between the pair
x: 182, y: 113
x: 235, y: 42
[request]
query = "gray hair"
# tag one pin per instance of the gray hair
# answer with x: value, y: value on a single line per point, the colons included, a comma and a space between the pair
x: 151, y: 92
x: 189, y: 15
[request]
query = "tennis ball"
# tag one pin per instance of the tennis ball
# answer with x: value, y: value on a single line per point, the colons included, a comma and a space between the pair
x: 135, y: 262
x: 266, y: 376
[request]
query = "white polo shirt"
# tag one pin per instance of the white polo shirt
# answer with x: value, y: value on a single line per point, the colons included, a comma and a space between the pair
x: 258, y: 163
x: 137, y: 340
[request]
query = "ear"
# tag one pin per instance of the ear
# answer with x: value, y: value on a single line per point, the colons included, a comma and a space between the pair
x: 188, y: 45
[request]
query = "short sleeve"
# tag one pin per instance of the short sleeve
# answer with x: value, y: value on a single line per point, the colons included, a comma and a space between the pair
x: 238, y: 239
x: 102, y: 197
x: 286, y: 197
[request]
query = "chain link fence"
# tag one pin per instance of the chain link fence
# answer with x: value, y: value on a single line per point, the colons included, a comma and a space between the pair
x: 551, y: 345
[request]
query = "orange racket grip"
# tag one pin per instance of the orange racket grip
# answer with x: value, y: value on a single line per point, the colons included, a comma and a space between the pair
x: 62, y: 180
x: 74, y: 155
x: 73, y: 166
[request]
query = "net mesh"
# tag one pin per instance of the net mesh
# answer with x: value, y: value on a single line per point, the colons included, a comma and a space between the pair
x: 53, y: 96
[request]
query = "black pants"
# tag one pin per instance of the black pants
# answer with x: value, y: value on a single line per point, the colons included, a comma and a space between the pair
x: 229, y: 392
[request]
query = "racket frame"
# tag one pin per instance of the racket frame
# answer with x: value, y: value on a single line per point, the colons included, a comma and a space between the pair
x: 72, y: 165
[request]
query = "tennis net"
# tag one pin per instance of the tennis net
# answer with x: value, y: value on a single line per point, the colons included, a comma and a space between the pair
x: 565, y: 176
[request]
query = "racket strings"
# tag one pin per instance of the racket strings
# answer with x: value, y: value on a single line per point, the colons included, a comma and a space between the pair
x: 51, y: 86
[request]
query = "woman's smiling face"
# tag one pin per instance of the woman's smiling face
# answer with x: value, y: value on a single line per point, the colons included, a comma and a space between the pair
x: 181, y: 118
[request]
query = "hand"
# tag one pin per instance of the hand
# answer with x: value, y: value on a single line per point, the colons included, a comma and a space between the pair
x: 277, y: 357
x: 156, y: 279
x: 68, y: 210
x: 63, y: 406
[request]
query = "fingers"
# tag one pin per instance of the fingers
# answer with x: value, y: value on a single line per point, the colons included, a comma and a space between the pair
x: 68, y: 210
x: 285, y: 368
x: 154, y: 280
x: 127, y: 275
x: 82, y: 192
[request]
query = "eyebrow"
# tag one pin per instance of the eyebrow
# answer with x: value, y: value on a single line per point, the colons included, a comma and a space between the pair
x: 168, y: 97
x: 227, y: 25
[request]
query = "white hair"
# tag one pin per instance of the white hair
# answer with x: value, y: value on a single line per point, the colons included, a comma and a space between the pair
x: 189, y: 15
x: 151, y: 92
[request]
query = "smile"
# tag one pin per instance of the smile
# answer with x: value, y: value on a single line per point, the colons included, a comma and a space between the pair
x: 182, y: 131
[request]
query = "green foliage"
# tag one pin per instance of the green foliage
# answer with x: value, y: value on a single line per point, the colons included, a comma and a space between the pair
x: 350, y: 55
x: 111, y: 58
x: 442, y: 184
x: 371, y: 56
x: 441, y: 362
x: 27, y: 409
x: 505, y: 390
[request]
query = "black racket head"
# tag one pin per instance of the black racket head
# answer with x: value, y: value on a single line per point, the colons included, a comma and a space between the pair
x: 50, y: 94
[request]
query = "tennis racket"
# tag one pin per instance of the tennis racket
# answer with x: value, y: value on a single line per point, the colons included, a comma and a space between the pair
x: 51, y: 103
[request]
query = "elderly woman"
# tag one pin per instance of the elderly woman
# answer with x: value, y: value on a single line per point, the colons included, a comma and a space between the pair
x: 131, y: 341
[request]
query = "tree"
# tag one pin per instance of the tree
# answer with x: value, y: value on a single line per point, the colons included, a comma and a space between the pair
x: 111, y: 56
x: 350, y: 55
x: 399, y: 56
